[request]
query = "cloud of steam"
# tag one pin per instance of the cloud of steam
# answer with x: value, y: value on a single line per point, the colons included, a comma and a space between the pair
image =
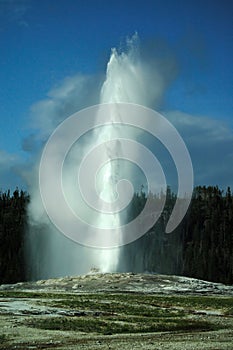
x: 45, y: 244
x: 49, y: 252
x: 72, y: 95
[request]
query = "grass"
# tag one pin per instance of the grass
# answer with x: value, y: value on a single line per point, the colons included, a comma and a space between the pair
x: 116, y: 302
x: 113, y: 313
x: 130, y: 313
x: 3, y: 339
x: 91, y: 300
x: 109, y: 326
x: 142, y: 304
x: 229, y: 312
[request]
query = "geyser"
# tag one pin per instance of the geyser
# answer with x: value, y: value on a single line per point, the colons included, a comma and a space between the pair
x: 128, y: 79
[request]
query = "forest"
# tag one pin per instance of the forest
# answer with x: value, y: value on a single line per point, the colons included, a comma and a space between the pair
x: 13, y: 223
x: 200, y: 247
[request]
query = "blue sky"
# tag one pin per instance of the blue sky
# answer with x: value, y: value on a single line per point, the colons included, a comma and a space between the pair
x: 44, y: 42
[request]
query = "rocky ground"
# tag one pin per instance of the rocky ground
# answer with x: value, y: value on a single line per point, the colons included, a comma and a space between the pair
x: 116, y: 311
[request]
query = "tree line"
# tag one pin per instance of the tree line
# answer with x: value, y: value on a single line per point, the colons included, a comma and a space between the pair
x: 201, y: 246
x: 13, y: 220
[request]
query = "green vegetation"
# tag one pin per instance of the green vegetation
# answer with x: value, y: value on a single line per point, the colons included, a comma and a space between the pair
x: 200, y: 247
x: 108, y: 313
x: 140, y: 303
x: 116, y: 302
x: 229, y: 312
x: 44, y: 320
x: 110, y: 326
x: 3, y: 339
x: 12, y: 230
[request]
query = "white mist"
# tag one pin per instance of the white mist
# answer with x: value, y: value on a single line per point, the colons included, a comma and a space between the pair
x: 128, y: 79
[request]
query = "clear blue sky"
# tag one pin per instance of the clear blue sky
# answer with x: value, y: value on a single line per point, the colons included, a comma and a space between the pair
x: 42, y: 42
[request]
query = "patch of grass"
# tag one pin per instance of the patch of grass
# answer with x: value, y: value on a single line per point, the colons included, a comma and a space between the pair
x: 114, y: 313
x: 3, y: 339
x: 176, y: 300
x: 229, y: 312
x: 113, y: 306
x: 129, y: 313
x: 205, y: 302
x: 142, y: 304
x: 200, y: 302
x: 91, y: 299
x: 104, y: 326
x: 128, y: 303
x: 30, y: 295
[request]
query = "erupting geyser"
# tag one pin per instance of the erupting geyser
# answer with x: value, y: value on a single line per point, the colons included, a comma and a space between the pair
x: 128, y: 79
